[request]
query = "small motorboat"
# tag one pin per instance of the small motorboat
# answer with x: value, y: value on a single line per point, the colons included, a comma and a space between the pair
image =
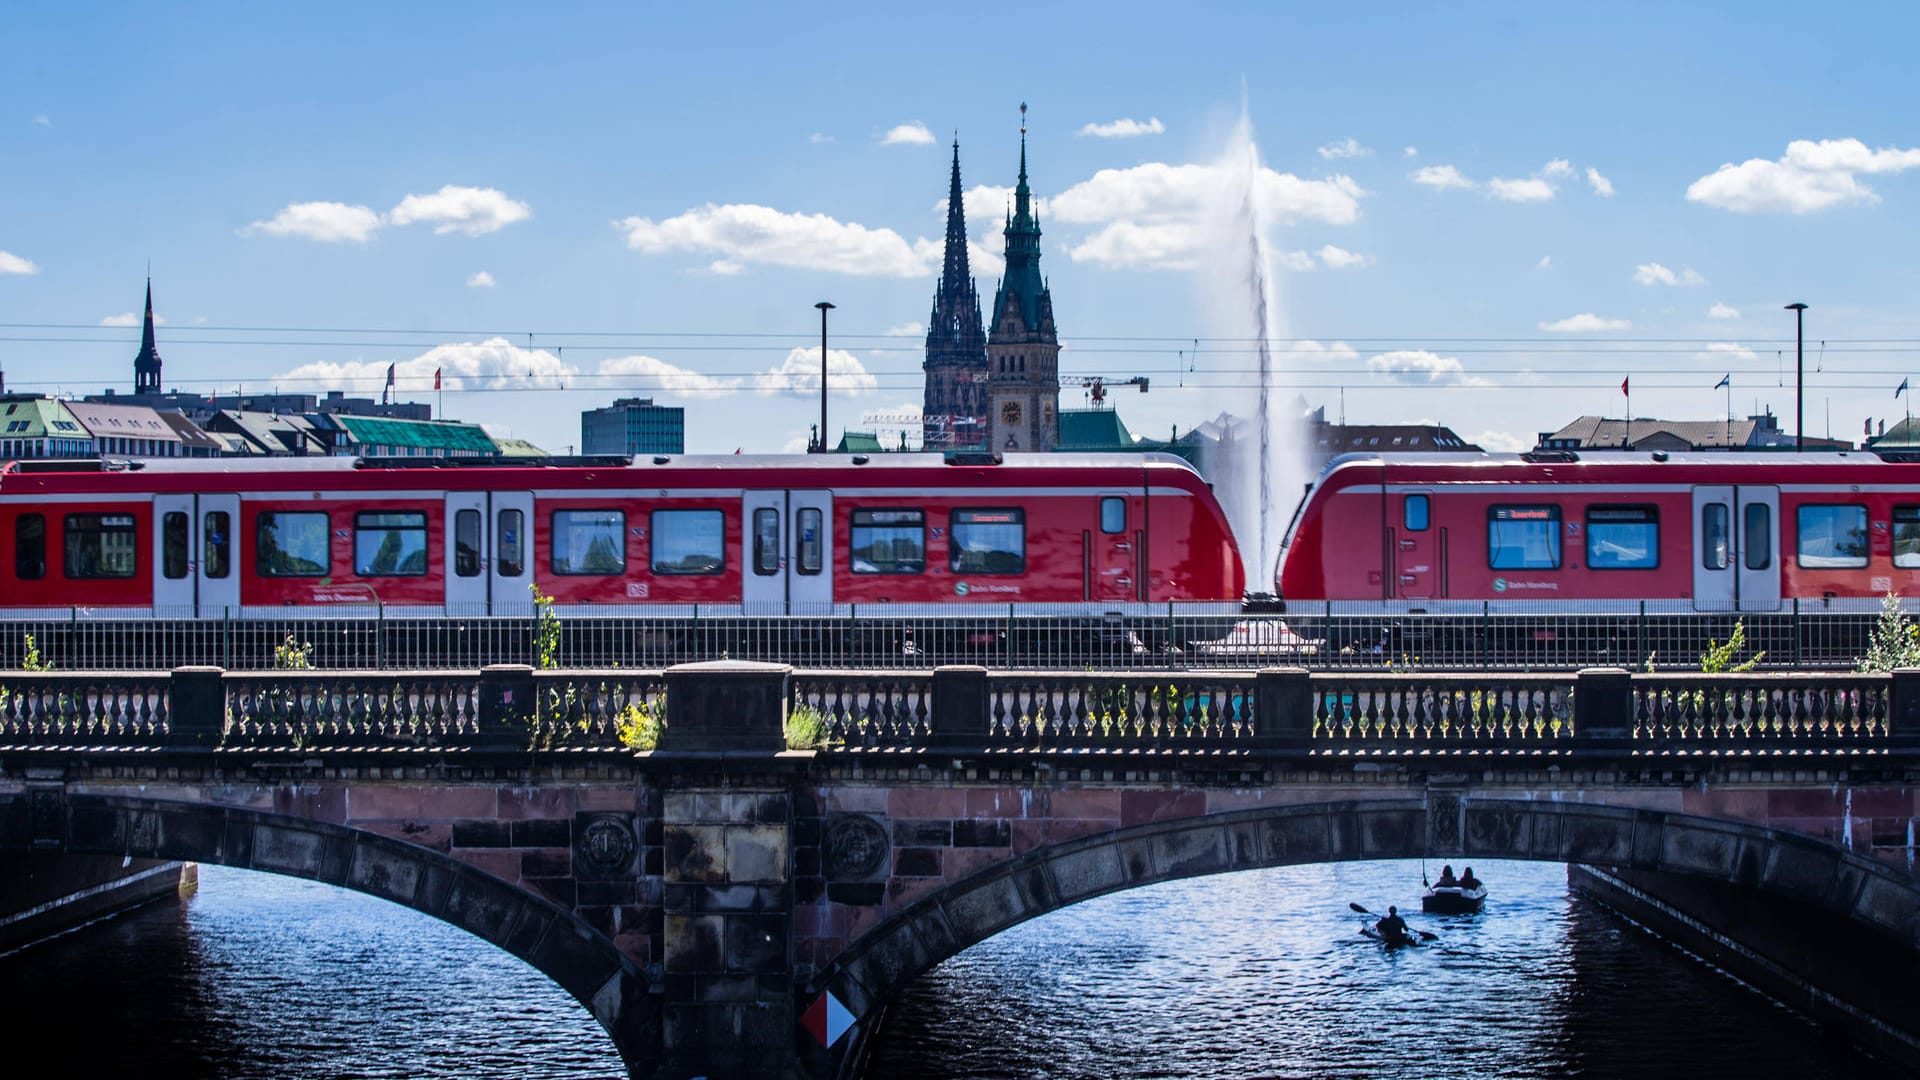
x: 1453, y: 899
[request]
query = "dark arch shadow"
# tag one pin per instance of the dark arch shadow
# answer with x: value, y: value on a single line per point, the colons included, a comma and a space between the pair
x: 874, y: 968
x: 551, y: 939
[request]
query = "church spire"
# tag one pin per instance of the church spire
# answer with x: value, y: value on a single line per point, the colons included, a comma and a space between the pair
x: 1022, y: 281
x: 956, y: 363
x: 146, y: 366
x: 955, y: 275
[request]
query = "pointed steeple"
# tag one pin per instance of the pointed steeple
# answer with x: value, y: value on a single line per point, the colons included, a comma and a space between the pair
x: 955, y: 271
x: 146, y: 366
x: 1022, y: 280
x: 956, y: 363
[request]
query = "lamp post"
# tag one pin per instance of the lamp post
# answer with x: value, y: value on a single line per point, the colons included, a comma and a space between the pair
x: 1799, y: 374
x: 824, y: 308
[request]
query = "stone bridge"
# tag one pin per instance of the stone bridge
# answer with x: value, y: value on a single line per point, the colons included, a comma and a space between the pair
x: 719, y: 899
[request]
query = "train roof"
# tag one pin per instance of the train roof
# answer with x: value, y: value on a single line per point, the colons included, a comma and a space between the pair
x: 1618, y: 458
x: 886, y: 461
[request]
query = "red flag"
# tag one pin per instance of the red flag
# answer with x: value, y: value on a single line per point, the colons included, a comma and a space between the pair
x: 1623, y: 387
x: 436, y: 378
x: 736, y: 450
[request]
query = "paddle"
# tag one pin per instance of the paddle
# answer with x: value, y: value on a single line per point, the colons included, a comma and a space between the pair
x: 1424, y: 935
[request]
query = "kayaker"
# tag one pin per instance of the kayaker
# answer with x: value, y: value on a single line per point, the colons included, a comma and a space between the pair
x: 1468, y: 881
x: 1447, y: 880
x: 1393, y: 928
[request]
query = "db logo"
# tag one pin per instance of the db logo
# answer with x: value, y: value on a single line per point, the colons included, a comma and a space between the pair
x: 636, y: 590
x: 1499, y: 584
x: 959, y: 588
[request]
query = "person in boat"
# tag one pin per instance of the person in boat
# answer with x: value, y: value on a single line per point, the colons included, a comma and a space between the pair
x: 1468, y: 881
x: 1447, y: 880
x: 1393, y: 927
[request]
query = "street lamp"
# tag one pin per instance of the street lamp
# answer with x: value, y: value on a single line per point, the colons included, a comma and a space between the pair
x: 824, y: 308
x: 1799, y: 374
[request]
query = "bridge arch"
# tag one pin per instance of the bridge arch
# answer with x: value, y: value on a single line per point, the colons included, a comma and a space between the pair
x: 874, y: 968
x: 552, y: 940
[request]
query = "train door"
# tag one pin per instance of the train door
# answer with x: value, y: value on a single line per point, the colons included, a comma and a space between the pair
x: 810, y: 553
x: 1736, y: 566
x: 1416, y: 551
x: 1111, y: 557
x: 193, y: 572
x: 465, y: 561
x: 509, y: 564
x: 763, y: 558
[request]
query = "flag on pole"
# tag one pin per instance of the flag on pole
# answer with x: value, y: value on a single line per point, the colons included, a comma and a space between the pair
x: 1725, y: 380
x: 1623, y: 387
x: 436, y: 378
x: 1902, y: 390
x: 389, y: 386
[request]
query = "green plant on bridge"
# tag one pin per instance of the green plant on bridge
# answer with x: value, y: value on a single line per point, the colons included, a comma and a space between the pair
x: 1895, y: 641
x: 33, y: 661
x: 546, y: 630
x: 638, y: 725
x: 807, y: 728
x: 293, y: 655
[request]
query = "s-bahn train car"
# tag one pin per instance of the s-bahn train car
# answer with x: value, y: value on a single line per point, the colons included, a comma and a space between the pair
x: 1681, y: 532
x: 734, y: 534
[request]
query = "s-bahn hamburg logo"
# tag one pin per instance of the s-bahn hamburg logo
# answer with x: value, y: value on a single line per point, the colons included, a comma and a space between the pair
x: 1501, y: 584
x: 960, y: 588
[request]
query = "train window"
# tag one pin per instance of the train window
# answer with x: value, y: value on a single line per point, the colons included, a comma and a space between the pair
x: 216, y: 540
x: 888, y: 541
x: 175, y: 536
x: 987, y: 541
x: 508, y: 555
x: 1113, y: 515
x: 100, y: 546
x: 292, y: 545
x: 1623, y: 538
x: 30, y: 547
x: 466, y: 543
x: 1416, y: 513
x: 766, y: 541
x: 689, y: 542
x: 589, y: 542
x: 1523, y: 538
x: 807, y: 541
x: 1833, y: 536
x: 1716, y: 537
x: 1906, y: 536
x: 389, y: 544
x: 1756, y: 543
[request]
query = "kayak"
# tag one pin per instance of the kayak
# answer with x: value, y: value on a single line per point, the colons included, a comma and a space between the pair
x: 1453, y: 900
x: 1395, y: 942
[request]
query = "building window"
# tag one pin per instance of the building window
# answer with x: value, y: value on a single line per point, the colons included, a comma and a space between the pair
x: 1523, y: 538
x: 99, y: 546
x: 809, y: 541
x: 508, y: 555
x: 1113, y: 515
x: 689, y: 542
x: 390, y: 544
x: 216, y: 544
x: 30, y: 547
x: 1623, y: 538
x: 1833, y: 537
x: 987, y: 542
x: 466, y: 543
x: 766, y: 541
x: 589, y: 542
x: 1416, y: 513
x: 1716, y: 537
x: 888, y: 541
x: 292, y: 545
x: 175, y: 536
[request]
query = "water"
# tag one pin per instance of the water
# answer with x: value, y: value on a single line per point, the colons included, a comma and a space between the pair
x: 1258, y: 974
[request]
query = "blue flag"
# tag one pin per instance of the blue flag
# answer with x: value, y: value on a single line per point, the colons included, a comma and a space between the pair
x: 1725, y: 380
x: 1902, y: 390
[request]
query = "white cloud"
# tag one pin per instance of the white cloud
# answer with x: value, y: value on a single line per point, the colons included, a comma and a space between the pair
x: 1602, y: 186
x: 495, y: 364
x: 1584, y: 323
x: 910, y: 134
x: 1530, y: 189
x: 1441, y: 177
x: 469, y: 210
x: 668, y: 378
x: 1557, y: 167
x: 1501, y: 442
x: 481, y: 280
x: 1310, y: 351
x: 1124, y: 128
x: 906, y: 329
x: 1410, y: 152
x: 129, y: 318
x: 329, y: 222
x: 726, y: 268
x: 1295, y: 260
x: 1346, y: 148
x: 1655, y: 274
x: 1154, y: 216
x: 746, y: 233
x: 14, y: 264
x: 799, y: 374
x: 43, y: 120
x: 1723, y: 311
x: 1416, y: 365
x: 1810, y: 176
x: 819, y: 137
x: 1726, y: 350
x: 1341, y: 258
x: 1545, y: 263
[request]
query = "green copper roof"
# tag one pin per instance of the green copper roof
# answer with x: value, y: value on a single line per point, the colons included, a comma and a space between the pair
x: 444, y: 435
x: 1094, y: 429
x: 35, y: 418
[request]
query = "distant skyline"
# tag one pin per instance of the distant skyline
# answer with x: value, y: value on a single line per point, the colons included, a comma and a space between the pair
x: 1485, y: 217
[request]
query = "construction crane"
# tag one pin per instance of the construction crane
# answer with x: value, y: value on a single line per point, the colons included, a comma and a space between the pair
x: 1097, y: 385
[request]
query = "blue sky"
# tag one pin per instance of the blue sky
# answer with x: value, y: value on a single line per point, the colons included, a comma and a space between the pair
x: 1485, y: 216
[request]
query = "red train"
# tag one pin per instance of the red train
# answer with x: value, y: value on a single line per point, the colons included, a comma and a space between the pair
x: 1724, y: 532
x: 752, y: 535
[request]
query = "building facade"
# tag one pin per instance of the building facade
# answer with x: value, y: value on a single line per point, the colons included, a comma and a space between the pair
x: 954, y: 407
x: 1023, y: 346
x: 634, y: 426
